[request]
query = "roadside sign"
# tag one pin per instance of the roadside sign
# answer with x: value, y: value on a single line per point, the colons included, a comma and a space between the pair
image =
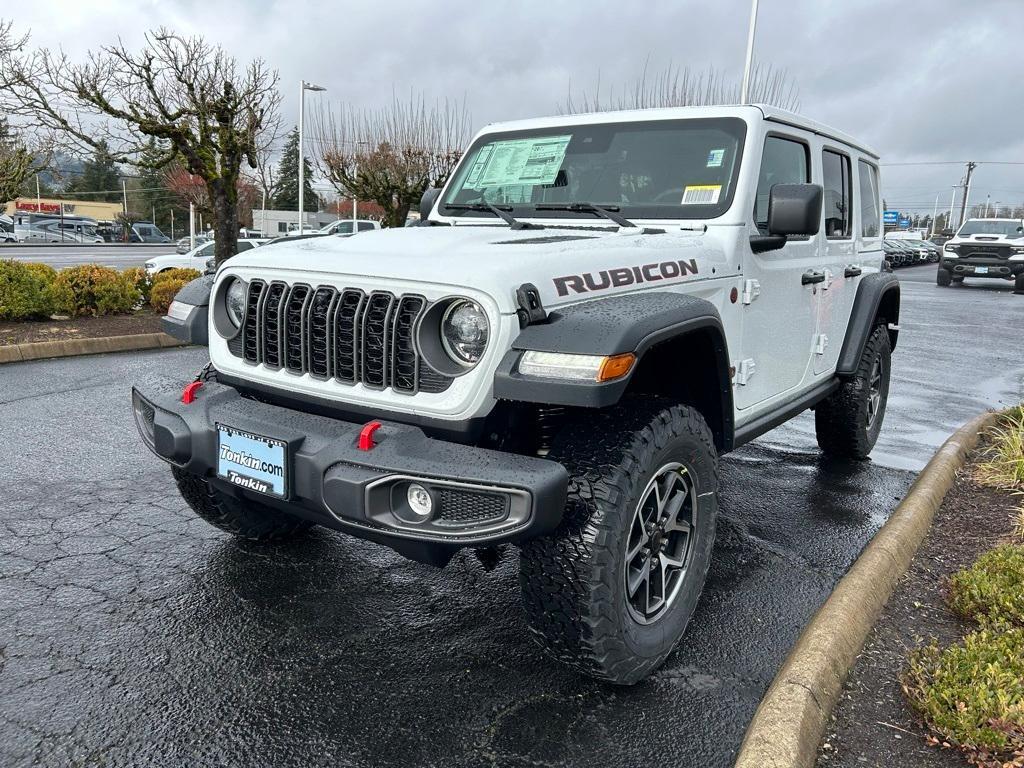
x: 891, y: 217
x: 904, y: 223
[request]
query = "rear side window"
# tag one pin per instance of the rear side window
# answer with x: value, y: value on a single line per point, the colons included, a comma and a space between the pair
x: 869, y: 208
x: 785, y: 161
x: 365, y: 225
x: 838, y: 194
x: 244, y: 246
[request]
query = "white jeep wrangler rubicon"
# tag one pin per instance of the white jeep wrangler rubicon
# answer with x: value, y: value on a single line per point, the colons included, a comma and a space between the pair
x: 592, y: 310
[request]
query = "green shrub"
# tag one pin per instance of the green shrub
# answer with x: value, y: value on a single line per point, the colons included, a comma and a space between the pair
x: 164, y: 292
x: 1002, y: 463
x: 25, y: 291
x: 992, y: 589
x: 141, y: 279
x: 972, y: 693
x: 94, y: 290
x: 188, y: 275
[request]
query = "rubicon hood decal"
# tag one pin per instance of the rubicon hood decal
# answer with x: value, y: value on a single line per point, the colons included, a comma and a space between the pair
x: 623, y: 276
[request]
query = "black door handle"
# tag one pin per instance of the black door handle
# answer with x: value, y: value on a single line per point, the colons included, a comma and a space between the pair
x: 812, y: 276
x: 852, y: 270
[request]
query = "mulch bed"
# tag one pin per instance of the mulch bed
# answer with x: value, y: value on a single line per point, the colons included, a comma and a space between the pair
x: 143, y: 321
x: 873, y: 725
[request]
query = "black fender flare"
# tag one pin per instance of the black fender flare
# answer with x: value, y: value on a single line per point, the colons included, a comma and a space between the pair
x: 876, y: 293
x: 611, y: 326
x: 193, y: 329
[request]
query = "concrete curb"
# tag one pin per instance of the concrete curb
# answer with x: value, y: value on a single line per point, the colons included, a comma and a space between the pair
x: 16, y: 353
x: 793, y: 715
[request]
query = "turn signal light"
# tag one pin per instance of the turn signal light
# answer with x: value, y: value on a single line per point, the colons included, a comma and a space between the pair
x: 616, y: 366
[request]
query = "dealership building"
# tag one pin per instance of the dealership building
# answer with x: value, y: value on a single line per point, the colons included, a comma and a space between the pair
x: 89, y: 209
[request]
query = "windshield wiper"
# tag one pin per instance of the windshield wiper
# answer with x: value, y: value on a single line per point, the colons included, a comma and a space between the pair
x: 501, y: 213
x: 608, y: 212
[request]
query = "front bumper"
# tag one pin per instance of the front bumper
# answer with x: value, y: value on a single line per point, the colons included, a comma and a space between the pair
x: 967, y: 266
x: 481, y: 497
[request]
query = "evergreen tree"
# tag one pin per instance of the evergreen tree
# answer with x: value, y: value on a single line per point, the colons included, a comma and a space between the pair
x: 285, y: 194
x: 100, y: 174
x: 155, y: 200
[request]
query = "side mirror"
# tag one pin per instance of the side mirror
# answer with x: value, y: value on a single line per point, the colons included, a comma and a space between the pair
x: 430, y: 196
x: 794, y: 209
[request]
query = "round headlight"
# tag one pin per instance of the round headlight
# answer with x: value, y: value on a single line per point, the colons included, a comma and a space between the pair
x: 464, y: 331
x: 234, y: 302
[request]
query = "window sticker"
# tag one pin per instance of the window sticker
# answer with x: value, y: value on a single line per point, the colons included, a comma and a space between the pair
x: 715, y: 158
x: 518, y: 161
x: 702, y: 194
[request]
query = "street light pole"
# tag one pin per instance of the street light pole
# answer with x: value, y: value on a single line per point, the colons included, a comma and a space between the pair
x: 935, y: 212
x: 303, y: 87
x: 745, y: 89
x: 952, y: 202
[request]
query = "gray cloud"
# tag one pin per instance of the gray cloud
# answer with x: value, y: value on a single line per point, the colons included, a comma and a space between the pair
x: 927, y: 80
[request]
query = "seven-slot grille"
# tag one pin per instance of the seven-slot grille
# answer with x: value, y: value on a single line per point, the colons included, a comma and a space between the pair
x: 347, y: 334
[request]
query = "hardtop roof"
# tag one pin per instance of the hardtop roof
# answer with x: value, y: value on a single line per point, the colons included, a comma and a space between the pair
x: 752, y: 111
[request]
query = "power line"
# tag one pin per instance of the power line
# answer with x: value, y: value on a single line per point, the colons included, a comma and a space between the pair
x: 956, y: 162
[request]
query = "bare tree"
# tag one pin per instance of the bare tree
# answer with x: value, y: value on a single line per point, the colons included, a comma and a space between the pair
x: 683, y: 87
x: 17, y: 161
x: 392, y: 154
x: 206, y: 110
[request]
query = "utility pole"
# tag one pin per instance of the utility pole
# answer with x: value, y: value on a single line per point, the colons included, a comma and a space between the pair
x: 172, y: 223
x: 124, y: 192
x: 745, y: 88
x: 952, y: 202
x: 935, y: 212
x: 303, y: 87
x: 191, y: 226
x: 967, y: 190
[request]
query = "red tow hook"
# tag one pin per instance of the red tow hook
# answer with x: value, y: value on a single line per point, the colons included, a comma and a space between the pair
x: 366, y: 435
x: 188, y: 395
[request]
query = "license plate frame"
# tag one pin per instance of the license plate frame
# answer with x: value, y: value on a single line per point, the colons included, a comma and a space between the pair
x: 253, y: 462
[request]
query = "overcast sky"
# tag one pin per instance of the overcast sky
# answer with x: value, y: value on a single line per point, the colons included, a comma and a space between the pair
x: 919, y: 80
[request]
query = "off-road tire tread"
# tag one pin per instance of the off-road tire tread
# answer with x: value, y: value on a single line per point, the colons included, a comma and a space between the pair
x: 943, y: 277
x: 567, y: 602
x: 838, y: 419
x: 247, y: 520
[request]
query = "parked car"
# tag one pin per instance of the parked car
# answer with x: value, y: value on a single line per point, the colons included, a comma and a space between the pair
x: 194, y: 259
x: 144, y: 232
x: 517, y: 378
x: 344, y: 227
x: 926, y: 252
x: 897, y: 254
x: 986, y: 248
x: 185, y: 244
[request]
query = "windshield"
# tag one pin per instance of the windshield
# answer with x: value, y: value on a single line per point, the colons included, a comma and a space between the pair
x: 664, y: 169
x: 1008, y: 228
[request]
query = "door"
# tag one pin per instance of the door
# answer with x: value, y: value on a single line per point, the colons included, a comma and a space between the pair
x: 778, y: 315
x: 833, y: 297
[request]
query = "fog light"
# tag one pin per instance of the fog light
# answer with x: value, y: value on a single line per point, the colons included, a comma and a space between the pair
x: 420, y: 500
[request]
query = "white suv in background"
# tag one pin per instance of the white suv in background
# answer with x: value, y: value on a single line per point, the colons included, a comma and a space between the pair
x: 194, y: 259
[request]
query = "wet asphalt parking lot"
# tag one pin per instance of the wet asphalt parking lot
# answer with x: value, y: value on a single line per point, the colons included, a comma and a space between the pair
x: 61, y: 255
x: 131, y: 633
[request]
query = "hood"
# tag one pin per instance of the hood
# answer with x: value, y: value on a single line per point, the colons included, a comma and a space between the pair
x: 566, y: 265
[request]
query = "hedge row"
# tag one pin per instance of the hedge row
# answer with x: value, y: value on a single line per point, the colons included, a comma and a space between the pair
x: 37, y: 291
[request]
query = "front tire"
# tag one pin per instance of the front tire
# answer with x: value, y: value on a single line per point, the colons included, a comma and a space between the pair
x: 848, y: 421
x: 611, y: 591
x: 943, y: 277
x: 245, y: 519
x: 1018, y: 284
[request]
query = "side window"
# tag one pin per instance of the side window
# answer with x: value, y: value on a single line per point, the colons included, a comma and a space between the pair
x: 282, y: 226
x: 869, y: 208
x: 785, y: 161
x: 835, y: 208
x: 243, y: 246
x: 365, y: 225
